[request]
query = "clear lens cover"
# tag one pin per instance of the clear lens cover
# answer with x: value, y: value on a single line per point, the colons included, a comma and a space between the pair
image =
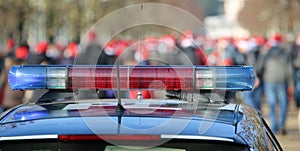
x: 57, y: 78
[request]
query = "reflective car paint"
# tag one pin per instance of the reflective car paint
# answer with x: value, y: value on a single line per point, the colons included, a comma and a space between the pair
x: 237, y: 122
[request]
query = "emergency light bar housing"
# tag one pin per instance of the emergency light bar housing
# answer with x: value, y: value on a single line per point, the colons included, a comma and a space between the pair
x: 27, y: 77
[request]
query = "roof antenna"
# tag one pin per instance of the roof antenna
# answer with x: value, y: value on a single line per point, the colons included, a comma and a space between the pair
x: 119, y: 109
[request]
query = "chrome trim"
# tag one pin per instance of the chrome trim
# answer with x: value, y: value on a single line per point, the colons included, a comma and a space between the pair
x: 29, y: 137
x: 197, y: 137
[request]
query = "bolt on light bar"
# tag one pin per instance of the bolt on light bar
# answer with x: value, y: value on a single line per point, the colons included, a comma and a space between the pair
x: 132, y: 77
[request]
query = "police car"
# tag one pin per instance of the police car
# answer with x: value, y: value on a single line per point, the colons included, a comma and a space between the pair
x: 192, y: 115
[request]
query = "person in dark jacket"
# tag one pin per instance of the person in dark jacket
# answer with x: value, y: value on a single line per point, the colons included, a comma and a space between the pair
x: 10, y: 98
x: 39, y: 55
x: 253, y: 98
x: 276, y: 71
x: 94, y: 54
x: 91, y: 53
x: 295, y: 59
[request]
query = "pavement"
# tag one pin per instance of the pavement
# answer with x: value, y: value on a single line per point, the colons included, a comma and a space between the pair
x: 290, y: 141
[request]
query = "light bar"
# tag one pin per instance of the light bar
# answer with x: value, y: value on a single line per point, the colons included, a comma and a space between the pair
x: 132, y: 77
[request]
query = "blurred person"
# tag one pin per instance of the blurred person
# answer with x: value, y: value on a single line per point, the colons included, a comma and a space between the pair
x: 253, y: 98
x: 22, y: 52
x: 127, y: 57
x: 188, y: 46
x: 53, y: 53
x: 10, y: 46
x: 173, y: 55
x: 70, y: 53
x: 160, y: 49
x: 14, y: 57
x: 186, y: 50
x: 87, y: 56
x: 276, y: 72
x: 10, y: 98
x: 122, y: 45
x: 108, y: 55
x: 137, y: 54
x: 295, y: 59
x: 2, y: 80
x: 213, y: 58
x: 233, y: 56
x: 38, y: 55
x: 212, y: 52
x: 9, y: 52
x: 151, y: 44
x: 60, y: 47
x: 10, y: 49
x: 233, y: 53
x: 90, y: 54
x: 94, y: 54
x: 142, y: 54
x: 199, y: 52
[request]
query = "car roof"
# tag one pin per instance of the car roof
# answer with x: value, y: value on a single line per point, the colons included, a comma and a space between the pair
x: 106, y: 107
x: 154, y: 116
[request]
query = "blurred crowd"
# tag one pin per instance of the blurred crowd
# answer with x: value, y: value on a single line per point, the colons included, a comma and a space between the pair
x: 276, y: 60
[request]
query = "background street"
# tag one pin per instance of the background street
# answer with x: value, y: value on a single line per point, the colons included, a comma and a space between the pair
x: 290, y: 141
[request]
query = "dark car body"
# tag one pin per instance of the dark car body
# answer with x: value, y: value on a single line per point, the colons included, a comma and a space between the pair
x: 96, y: 124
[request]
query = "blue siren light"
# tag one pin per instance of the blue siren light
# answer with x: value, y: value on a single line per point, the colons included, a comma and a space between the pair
x: 27, y: 78
x: 132, y: 77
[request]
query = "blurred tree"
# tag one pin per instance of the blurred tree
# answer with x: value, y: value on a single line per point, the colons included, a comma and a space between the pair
x: 268, y: 16
x: 211, y: 7
x: 14, y: 16
x: 157, y: 30
x: 54, y: 17
x: 72, y: 17
x: 77, y: 15
x: 250, y: 17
